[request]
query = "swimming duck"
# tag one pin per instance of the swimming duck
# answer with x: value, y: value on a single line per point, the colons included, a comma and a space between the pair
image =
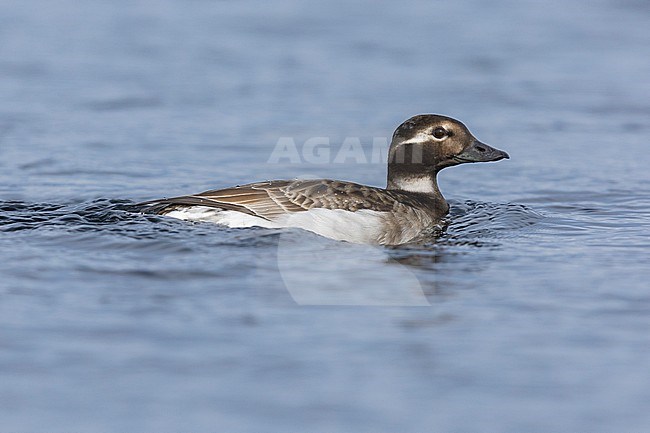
x: 410, y: 206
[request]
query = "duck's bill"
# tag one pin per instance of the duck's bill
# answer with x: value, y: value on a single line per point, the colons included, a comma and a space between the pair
x: 481, y: 152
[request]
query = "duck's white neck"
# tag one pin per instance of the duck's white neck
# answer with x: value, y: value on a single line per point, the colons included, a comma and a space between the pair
x: 422, y: 184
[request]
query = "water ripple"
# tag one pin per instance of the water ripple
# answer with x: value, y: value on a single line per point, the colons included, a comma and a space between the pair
x: 472, y: 221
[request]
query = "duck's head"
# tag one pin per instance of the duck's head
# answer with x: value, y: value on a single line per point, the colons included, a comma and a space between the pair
x: 427, y: 143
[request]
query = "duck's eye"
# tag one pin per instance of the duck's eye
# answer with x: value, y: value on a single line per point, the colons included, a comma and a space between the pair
x: 440, y: 133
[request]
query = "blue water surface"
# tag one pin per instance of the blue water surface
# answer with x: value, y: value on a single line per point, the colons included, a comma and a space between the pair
x: 531, y: 314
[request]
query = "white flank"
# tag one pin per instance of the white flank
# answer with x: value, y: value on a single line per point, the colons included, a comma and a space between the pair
x: 362, y: 226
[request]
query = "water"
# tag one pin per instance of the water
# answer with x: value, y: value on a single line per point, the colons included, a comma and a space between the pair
x: 530, y: 314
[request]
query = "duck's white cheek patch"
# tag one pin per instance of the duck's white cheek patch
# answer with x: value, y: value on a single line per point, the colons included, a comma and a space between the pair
x: 422, y: 137
x: 363, y: 226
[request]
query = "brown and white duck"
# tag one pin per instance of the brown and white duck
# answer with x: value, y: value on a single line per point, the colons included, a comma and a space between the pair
x: 410, y: 207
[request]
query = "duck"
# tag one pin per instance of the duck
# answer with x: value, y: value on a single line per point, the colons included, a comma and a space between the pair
x: 410, y: 208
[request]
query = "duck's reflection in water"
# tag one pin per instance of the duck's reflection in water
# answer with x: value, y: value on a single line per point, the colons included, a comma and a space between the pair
x: 326, y: 272
x: 320, y: 271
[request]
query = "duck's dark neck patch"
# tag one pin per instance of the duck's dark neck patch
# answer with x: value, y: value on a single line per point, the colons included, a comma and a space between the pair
x: 411, y: 169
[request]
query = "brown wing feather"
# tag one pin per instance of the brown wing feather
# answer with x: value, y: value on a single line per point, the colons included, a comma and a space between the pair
x: 271, y: 199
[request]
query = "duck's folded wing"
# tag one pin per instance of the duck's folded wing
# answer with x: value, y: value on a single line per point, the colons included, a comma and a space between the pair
x: 271, y: 199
